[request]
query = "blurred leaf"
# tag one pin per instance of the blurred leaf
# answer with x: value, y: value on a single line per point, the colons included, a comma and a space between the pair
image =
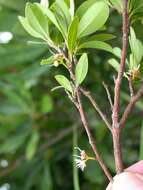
x: 46, y: 181
x: 93, y: 172
x: 46, y: 104
x: 13, y: 4
x: 12, y: 143
x: 32, y: 145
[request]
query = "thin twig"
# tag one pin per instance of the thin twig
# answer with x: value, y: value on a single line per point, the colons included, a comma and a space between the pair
x: 90, y: 137
x: 117, y: 91
x: 108, y: 95
x: 131, y: 87
x: 97, y: 108
x: 130, y: 106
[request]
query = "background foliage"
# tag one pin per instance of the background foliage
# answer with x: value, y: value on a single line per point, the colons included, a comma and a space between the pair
x: 36, y: 125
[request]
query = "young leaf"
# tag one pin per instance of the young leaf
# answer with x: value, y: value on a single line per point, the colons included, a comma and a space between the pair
x: 48, y: 61
x: 72, y: 34
x: 50, y: 15
x: 64, y: 11
x: 63, y: 81
x: 28, y: 28
x: 81, y: 69
x: 37, y: 19
x: 72, y: 8
x: 97, y: 45
x: 93, y: 19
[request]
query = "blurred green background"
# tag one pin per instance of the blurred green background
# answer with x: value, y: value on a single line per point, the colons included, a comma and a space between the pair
x: 37, y: 126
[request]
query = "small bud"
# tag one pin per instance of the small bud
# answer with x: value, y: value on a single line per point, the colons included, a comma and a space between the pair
x: 56, y: 63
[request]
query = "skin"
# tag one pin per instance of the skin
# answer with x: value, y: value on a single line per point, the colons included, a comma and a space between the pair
x: 130, y: 179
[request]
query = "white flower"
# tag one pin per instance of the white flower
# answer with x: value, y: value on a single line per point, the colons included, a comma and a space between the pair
x: 80, y: 164
x: 82, y: 159
x: 5, y: 37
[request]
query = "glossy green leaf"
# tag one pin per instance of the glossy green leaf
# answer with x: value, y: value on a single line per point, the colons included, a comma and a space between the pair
x: 97, y: 45
x: 84, y: 7
x: 63, y: 81
x: 81, y: 69
x: 93, y: 19
x: 72, y: 34
x: 32, y: 145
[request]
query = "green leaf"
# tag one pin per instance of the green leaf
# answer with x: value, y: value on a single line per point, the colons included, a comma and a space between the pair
x: 114, y: 64
x: 117, y: 4
x: 63, y: 81
x: 32, y: 145
x: 48, y: 61
x: 50, y: 15
x: 136, y: 47
x: 84, y: 7
x: 28, y: 28
x: 46, y: 104
x: 97, y: 45
x: 72, y: 8
x: 81, y: 69
x: 117, y: 52
x: 13, y: 143
x: 93, y: 19
x: 72, y: 34
x: 37, y: 20
x: 99, y: 37
x: 46, y: 178
x: 64, y: 11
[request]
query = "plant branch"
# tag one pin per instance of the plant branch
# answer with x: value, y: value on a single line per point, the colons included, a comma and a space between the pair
x: 95, y: 105
x: 90, y: 137
x: 108, y: 95
x: 117, y: 91
x: 130, y: 106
